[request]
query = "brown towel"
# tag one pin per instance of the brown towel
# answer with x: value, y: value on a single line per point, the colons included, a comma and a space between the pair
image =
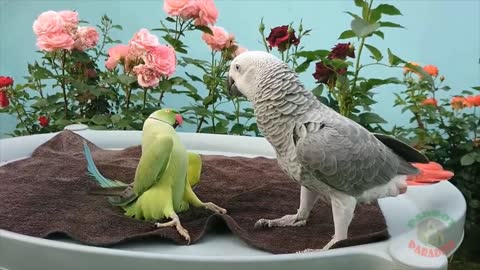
x: 46, y: 195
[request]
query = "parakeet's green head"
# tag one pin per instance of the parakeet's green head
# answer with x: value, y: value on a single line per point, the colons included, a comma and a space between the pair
x: 168, y: 116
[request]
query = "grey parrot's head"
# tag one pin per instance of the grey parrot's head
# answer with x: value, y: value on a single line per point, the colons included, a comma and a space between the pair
x: 245, y: 71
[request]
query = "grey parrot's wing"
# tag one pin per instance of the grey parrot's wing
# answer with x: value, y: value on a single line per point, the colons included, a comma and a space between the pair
x: 402, y: 149
x: 345, y: 156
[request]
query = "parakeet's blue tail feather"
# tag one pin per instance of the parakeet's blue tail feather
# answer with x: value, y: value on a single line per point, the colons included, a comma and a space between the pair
x: 93, y: 171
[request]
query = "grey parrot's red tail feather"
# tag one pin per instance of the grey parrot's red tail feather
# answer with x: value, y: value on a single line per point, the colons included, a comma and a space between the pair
x: 402, y: 149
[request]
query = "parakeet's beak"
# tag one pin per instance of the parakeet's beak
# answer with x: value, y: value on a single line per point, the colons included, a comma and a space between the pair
x: 178, y: 120
x: 232, y: 88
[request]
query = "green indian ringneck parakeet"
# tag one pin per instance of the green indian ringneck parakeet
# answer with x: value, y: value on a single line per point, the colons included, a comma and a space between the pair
x: 164, y: 177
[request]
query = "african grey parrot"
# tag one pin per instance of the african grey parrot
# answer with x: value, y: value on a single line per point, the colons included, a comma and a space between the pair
x: 329, y: 155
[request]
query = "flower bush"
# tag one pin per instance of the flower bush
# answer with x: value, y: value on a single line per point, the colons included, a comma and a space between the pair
x: 70, y: 84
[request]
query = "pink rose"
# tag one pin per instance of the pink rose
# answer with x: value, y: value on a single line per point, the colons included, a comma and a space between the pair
x: 54, y: 41
x: 147, y: 76
x: 190, y: 11
x: 88, y: 37
x: 141, y: 42
x: 48, y: 22
x: 69, y: 17
x: 173, y: 7
x: 219, y: 40
x: 115, y: 55
x: 162, y: 58
x: 207, y: 14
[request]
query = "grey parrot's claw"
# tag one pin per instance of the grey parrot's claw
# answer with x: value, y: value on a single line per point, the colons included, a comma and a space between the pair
x: 308, y: 250
x: 285, y: 221
x: 261, y: 223
x: 331, y: 243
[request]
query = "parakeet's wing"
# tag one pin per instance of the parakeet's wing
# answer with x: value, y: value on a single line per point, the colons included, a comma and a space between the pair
x: 153, y: 163
x: 342, y: 154
x: 194, y: 168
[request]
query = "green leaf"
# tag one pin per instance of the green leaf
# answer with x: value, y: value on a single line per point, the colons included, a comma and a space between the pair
x: 338, y: 63
x: 390, y: 24
x: 220, y: 128
x: 116, y: 118
x: 476, y: 88
x: 317, y: 91
x: 379, y: 34
x: 176, y: 44
x: 193, y: 77
x: 62, y: 122
x: 393, y: 59
x: 42, y: 73
x: 313, y: 55
x: 101, y: 119
x: 362, y: 28
x: 41, y: 102
x: 170, y: 19
x: 204, y: 29
x: 360, y: 3
x: 371, y: 118
x: 237, y: 129
x: 388, y: 9
x: 117, y: 26
x: 208, y: 100
x: 468, y: 159
x: 347, y: 34
x: 126, y: 79
x: 165, y: 85
x: 303, y: 66
x: 355, y: 16
x: 377, y: 55
x: 375, y: 15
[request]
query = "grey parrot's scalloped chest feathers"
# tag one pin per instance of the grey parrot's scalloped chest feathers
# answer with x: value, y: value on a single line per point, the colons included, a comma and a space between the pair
x: 314, y: 144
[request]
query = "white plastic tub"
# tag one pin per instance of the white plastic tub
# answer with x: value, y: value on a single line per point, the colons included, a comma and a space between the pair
x: 225, y: 251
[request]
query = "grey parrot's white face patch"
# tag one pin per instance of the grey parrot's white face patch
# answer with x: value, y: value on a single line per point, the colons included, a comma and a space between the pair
x: 244, y: 70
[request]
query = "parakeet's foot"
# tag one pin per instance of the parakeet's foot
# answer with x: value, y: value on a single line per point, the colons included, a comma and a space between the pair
x: 175, y: 222
x: 285, y: 221
x: 215, y: 208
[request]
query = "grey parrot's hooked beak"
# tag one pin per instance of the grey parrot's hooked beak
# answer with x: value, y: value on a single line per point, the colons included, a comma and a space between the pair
x: 232, y: 88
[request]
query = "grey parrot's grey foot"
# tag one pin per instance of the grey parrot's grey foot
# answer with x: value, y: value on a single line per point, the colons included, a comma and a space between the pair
x: 175, y: 222
x: 285, y: 221
x: 215, y: 208
x: 331, y: 243
x: 308, y: 250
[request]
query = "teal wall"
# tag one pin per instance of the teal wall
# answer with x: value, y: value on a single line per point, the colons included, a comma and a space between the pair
x: 441, y: 32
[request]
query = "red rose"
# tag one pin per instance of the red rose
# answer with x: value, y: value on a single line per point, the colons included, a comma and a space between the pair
x: 43, y: 121
x: 90, y: 73
x: 341, y: 51
x: 4, y: 102
x: 5, y: 81
x: 322, y: 73
x: 281, y: 38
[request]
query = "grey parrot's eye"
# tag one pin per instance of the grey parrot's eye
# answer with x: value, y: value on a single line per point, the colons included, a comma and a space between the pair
x: 237, y: 67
